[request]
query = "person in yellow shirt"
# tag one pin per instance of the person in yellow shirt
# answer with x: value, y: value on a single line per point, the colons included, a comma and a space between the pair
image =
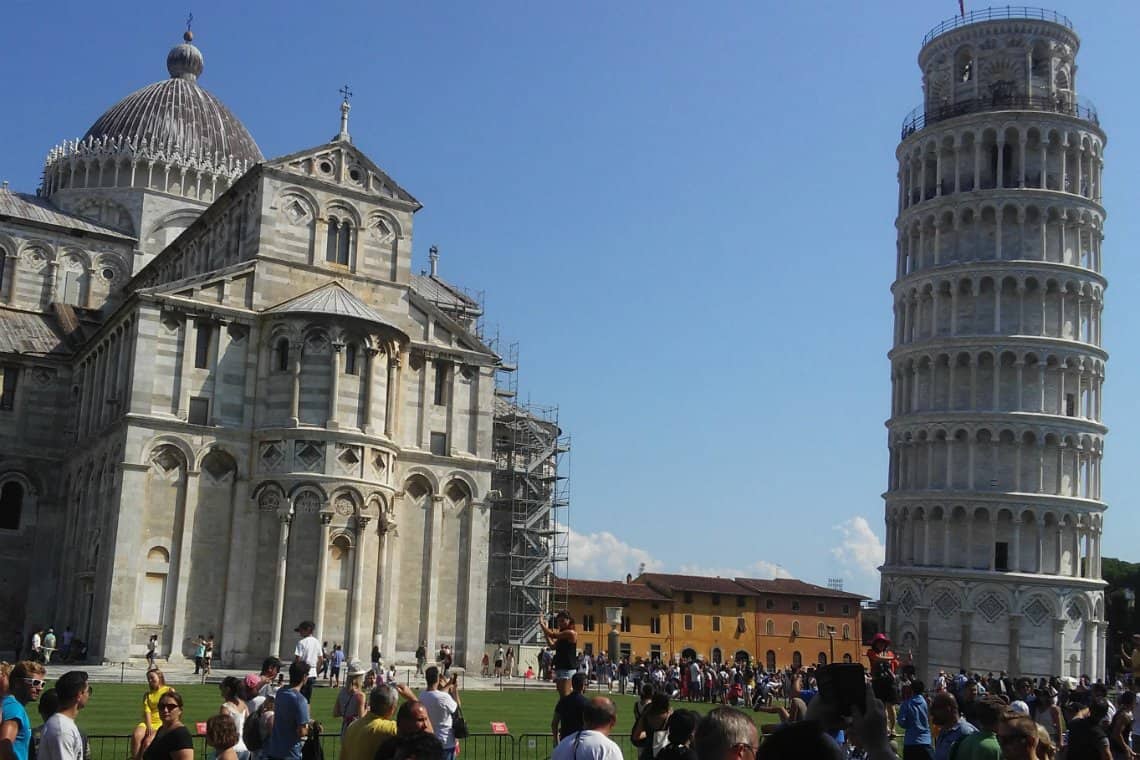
x: 151, y: 719
x: 365, y: 735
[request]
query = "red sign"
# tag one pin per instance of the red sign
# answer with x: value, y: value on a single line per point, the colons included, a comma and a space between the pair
x: 201, y: 729
x: 499, y: 728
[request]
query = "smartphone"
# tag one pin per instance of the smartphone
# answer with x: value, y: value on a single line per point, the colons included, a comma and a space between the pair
x: 843, y: 685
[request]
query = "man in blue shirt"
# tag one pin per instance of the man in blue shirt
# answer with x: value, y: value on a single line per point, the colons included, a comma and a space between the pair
x: 915, y: 720
x: 25, y: 684
x: 290, y: 717
x: 951, y: 726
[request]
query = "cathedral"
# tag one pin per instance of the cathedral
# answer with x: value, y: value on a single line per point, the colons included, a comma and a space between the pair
x: 228, y: 405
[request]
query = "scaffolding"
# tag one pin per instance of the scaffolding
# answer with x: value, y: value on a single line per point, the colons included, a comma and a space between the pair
x: 529, y: 535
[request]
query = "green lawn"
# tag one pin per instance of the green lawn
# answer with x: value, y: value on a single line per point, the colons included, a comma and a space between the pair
x: 115, y: 709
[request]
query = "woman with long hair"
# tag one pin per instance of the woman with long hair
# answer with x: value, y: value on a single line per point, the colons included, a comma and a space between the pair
x: 1048, y: 714
x: 172, y: 740
x: 564, y: 639
x: 882, y: 665
x: 151, y: 720
x: 235, y: 709
x: 350, y: 700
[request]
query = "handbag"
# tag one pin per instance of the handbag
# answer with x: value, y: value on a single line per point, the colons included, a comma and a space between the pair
x: 459, y: 724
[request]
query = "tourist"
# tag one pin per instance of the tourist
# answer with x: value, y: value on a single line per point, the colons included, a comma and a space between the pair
x: 485, y: 665
x: 951, y: 726
x: 151, y: 720
x: 291, y: 712
x: 1087, y: 739
x: 207, y: 657
x: 151, y: 647
x: 1017, y: 737
x: 363, y: 737
x: 37, y: 645
x: 509, y: 662
x: 682, y: 724
x: 237, y: 711
x: 377, y: 664
x: 421, y: 658
x: 650, y: 733
x: 499, y: 662
x: 412, y: 718
x: 915, y: 719
x: 199, y: 653
x: 569, y: 709
x: 223, y: 737
x: 350, y: 700
x: 593, y: 741
x: 68, y: 637
x: 172, y: 741
x: 323, y: 667
x: 726, y: 733
x: 883, y: 664
x: 25, y: 684
x: 1048, y: 714
x: 983, y: 744
x: 564, y: 639
x: 335, y: 662
x: 441, y: 698
x: 308, y: 651
x: 1120, y: 727
x: 61, y: 738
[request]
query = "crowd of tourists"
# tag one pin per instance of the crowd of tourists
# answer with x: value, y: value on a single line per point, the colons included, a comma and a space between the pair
x: 263, y: 716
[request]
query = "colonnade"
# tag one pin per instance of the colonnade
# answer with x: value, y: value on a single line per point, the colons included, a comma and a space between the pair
x: 984, y: 304
x: 997, y: 231
x: 1041, y: 544
x: 103, y: 379
x: 1009, y: 381
x: 988, y: 157
x: 1029, y: 461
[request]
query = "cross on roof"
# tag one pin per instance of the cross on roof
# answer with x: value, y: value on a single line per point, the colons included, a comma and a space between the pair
x: 189, y: 21
x: 347, y: 93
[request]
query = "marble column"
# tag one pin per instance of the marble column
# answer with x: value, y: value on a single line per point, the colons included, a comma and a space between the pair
x: 369, y: 379
x: 181, y: 565
x: 1059, y: 646
x: 332, y: 422
x: 354, y: 640
x: 390, y: 395
x: 234, y: 631
x: 322, y: 575
x: 1014, y: 643
x: 432, y: 558
x: 966, y: 618
x: 279, y: 587
x: 383, y: 529
x: 295, y: 391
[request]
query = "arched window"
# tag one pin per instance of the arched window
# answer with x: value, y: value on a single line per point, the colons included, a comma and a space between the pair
x: 797, y: 660
x: 282, y: 355
x: 769, y: 628
x: 821, y: 631
x: 847, y: 658
x: 795, y: 628
x: 339, y: 241
x: 770, y: 661
x: 350, y: 359
x: 716, y: 655
x: 822, y: 659
x: 152, y: 599
x: 846, y: 631
x: 964, y: 66
x: 11, y: 504
x: 341, y: 556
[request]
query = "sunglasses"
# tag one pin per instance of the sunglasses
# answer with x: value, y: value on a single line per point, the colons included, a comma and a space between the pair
x: 35, y: 683
x: 168, y: 706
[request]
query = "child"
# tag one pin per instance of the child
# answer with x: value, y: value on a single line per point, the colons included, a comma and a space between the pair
x: 222, y: 735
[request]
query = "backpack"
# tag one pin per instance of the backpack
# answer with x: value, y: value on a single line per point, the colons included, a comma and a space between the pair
x: 312, y: 749
x: 251, y: 731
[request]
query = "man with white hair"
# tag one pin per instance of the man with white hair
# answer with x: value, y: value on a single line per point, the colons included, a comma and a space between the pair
x: 593, y: 742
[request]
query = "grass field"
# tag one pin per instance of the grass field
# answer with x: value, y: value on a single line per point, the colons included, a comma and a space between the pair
x: 117, y: 708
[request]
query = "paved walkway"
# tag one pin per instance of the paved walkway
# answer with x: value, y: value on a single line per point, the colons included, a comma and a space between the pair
x: 183, y: 673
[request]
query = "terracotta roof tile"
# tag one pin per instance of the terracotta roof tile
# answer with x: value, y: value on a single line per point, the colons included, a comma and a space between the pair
x: 610, y: 589
x: 793, y: 587
x: 669, y: 583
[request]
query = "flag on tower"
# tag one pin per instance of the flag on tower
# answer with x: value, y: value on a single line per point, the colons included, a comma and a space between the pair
x: 962, y: 8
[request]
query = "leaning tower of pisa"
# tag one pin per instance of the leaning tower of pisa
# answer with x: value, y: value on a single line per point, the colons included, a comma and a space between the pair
x: 993, y: 509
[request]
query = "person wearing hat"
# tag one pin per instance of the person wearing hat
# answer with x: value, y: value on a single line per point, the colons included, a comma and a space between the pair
x: 308, y: 651
x: 883, y: 664
x: 350, y: 701
x: 61, y: 739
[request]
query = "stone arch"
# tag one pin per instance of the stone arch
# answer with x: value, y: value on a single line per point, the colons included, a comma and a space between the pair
x: 18, y: 501
x: 167, y: 228
x: 422, y: 472
x: 166, y: 439
x: 346, y: 502
x: 466, y: 479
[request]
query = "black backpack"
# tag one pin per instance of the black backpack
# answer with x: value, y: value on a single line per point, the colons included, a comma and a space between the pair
x: 251, y: 731
x: 312, y: 749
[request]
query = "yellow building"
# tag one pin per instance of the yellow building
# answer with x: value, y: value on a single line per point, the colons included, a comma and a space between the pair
x: 774, y: 623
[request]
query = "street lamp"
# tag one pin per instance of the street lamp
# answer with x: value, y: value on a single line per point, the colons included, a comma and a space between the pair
x: 831, y: 641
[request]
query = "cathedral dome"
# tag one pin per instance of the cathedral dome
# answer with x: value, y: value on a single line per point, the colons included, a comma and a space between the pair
x: 177, y: 115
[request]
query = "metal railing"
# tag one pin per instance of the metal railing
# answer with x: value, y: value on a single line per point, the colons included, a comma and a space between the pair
x: 480, y: 746
x: 998, y: 14
x: 921, y: 117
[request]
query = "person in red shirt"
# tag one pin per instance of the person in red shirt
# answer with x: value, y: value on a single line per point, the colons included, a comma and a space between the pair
x: 882, y: 666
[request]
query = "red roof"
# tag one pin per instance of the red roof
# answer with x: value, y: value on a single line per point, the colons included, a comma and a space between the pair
x: 610, y: 590
x: 667, y: 583
x: 794, y: 587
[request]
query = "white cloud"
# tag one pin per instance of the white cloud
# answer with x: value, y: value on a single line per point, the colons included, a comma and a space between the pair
x: 604, y: 556
x: 759, y: 569
x: 860, y: 549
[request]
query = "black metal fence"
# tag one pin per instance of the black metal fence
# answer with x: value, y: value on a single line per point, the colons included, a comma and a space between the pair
x: 474, y: 747
x: 998, y: 14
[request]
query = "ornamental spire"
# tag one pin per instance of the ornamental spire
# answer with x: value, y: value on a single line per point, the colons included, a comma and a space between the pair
x: 344, y: 109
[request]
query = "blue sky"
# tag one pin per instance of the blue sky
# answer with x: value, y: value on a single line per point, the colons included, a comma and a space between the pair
x: 683, y: 212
